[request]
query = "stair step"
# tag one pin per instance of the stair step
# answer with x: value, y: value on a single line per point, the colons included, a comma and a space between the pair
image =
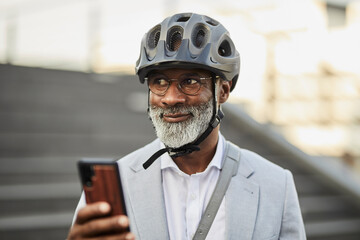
x: 38, y: 165
x: 36, y: 221
x: 36, y: 227
x: 36, y: 234
x: 89, y: 124
x: 38, y: 206
x: 307, y: 184
x: 316, y: 208
x: 10, y: 179
x: 333, y: 228
x: 45, y: 197
x: 33, y: 170
x: 49, y: 191
x: 12, y: 145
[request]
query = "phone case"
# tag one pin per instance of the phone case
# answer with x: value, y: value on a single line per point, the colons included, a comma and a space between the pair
x: 101, y: 182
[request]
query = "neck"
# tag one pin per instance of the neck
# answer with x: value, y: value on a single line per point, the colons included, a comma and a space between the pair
x: 198, y: 161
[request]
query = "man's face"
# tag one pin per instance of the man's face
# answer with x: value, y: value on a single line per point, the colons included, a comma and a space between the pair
x: 180, y: 118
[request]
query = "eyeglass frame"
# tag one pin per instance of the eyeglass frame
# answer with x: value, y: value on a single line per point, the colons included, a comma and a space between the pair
x: 170, y: 80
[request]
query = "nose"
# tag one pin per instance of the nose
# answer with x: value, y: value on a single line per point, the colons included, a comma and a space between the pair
x: 173, y: 96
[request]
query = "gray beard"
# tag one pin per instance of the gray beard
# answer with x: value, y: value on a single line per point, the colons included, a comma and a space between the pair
x: 175, y: 135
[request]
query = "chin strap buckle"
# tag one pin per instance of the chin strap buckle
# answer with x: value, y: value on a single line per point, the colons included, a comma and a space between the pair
x: 177, y: 153
x: 183, y: 151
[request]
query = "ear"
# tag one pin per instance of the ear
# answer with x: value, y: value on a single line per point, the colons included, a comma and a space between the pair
x: 224, y: 91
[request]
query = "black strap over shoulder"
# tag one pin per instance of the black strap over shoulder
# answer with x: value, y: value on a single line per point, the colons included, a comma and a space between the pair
x: 230, y: 167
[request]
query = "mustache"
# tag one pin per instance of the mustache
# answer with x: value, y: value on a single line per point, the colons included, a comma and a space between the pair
x: 173, y: 110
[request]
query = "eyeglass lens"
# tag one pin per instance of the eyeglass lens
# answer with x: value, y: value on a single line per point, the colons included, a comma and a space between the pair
x: 189, y: 85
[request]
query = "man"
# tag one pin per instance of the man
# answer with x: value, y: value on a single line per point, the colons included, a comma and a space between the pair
x: 190, y: 65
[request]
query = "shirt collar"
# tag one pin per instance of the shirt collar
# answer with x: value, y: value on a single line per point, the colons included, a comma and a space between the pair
x: 167, y: 162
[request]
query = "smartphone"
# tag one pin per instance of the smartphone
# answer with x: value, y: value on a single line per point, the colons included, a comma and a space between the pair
x: 101, y: 182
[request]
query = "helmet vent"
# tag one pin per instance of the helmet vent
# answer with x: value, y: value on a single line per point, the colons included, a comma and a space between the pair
x: 175, y: 38
x: 154, y: 37
x: 183, y: 19
x: 199, y: 38
x: 224, y: 49
x: 211, y: 21
x: 199, y: 35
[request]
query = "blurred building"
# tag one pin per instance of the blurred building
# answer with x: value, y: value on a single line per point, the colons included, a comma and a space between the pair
x: 310, y: 81
x: 299, y: 70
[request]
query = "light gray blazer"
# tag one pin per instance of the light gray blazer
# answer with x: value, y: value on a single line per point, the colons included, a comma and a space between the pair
x: 261, y: 201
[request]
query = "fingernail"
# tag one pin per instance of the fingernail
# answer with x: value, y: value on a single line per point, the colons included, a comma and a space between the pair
x: 104, y: 207
x: 129, y: 236
x: 123, y: 221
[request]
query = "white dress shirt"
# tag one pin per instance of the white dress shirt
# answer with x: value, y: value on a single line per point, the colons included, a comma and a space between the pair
x: 186, y: 197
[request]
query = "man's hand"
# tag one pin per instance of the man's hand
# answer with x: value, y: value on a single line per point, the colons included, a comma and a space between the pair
x: 93, y: 222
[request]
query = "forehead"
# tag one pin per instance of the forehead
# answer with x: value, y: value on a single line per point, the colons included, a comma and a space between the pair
x: 174, y: 72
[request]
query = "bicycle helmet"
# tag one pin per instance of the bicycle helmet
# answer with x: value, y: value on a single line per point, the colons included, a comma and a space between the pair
x: 189, y: 40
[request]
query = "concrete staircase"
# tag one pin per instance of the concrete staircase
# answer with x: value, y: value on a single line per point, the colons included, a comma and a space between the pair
x: 49, y: 119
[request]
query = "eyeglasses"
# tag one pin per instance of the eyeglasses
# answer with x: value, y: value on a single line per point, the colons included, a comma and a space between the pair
x: 189, y: 85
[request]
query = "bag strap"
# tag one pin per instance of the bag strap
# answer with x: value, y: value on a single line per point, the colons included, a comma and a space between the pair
x: 230, y: 166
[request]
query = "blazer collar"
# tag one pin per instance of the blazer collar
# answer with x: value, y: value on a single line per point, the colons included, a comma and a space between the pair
x: 242, y: 199
x: 146, y: 197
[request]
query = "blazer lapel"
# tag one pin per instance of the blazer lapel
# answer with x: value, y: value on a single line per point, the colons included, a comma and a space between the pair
x: 147, y: 201
x: 242, y: 199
